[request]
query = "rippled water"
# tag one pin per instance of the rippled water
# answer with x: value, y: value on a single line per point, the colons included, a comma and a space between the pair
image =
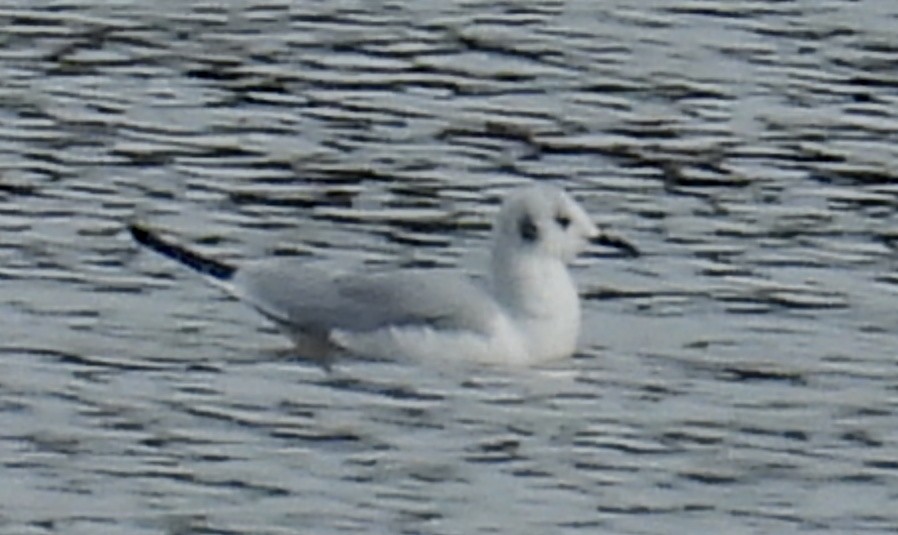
x: 741, y: 377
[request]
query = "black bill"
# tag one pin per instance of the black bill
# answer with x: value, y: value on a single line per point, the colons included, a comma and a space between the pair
x: 615, y: 242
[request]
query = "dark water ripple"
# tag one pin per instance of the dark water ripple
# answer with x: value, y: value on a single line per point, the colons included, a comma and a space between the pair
x: 740, y: 378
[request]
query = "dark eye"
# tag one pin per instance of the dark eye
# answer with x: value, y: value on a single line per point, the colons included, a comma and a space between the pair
x: 563, y: 221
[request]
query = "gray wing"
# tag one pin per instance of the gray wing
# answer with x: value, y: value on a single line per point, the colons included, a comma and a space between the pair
x: 316, y: 300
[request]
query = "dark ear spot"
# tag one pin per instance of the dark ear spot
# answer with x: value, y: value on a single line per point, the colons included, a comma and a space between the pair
x: 527, y: 229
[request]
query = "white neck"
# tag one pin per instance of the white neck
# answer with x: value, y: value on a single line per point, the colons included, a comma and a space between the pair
x: 538, y: 294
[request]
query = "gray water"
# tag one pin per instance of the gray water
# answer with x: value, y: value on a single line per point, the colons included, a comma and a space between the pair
x: 738, y: 378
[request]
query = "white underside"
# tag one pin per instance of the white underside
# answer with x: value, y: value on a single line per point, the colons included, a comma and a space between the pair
x: 505, y: 344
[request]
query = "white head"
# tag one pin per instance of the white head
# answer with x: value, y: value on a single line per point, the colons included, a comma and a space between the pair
x: 542, y: 221
x: 539, y: 230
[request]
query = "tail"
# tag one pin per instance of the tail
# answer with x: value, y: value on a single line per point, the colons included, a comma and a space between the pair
x: 195, y: 261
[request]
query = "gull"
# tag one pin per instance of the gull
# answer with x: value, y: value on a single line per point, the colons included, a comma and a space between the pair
x: 527, y: 312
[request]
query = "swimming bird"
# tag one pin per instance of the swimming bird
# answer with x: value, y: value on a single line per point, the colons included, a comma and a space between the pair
x: 526, y: 313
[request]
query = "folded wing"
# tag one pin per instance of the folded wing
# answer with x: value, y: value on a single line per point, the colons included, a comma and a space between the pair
x: 313, y: 300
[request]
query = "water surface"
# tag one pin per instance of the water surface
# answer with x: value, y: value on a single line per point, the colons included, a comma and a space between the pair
x: 739, y: 378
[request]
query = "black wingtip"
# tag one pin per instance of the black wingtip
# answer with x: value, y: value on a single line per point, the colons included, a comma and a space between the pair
x: 140, y: 233
x: 191, y: 259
